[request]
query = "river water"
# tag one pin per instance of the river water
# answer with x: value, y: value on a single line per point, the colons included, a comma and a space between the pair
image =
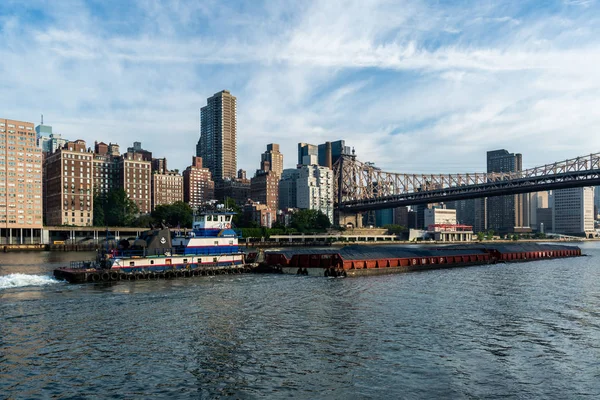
x: 529, y: 330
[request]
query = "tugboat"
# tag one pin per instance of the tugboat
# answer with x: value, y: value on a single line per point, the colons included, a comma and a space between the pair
x: 210, y: 248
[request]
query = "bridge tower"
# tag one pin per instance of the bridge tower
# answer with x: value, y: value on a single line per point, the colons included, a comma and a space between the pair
x: 343, y: 174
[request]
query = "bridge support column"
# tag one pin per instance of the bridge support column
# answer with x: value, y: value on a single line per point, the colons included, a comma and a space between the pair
x: 349, y: 218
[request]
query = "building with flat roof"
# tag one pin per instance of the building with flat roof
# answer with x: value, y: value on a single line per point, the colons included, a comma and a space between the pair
x: 69, y: 194
x: 506, y: 213
x: 272, y: 159
x: 218, y: 141
x: 573, y: 211
x: 135, y: 179
x: 20, y: 183
x: 198, y: 186
x: 314, y: 189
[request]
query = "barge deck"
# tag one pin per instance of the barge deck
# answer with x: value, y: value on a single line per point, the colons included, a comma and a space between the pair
x: 361, y: 260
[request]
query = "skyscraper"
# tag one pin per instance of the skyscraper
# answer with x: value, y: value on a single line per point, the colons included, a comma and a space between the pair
x: 274, y: 158
x: 20, y: 183
x: 573, y: 211
x: 505, y: 213
x: 217, y: 144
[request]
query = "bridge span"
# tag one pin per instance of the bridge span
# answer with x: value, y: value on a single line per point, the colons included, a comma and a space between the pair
x: 362, y: 187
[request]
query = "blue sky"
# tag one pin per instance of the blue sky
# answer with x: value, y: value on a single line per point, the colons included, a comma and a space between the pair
x: 412, y: 86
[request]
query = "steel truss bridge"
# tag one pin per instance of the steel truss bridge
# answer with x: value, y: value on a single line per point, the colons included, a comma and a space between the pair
x: 362, y: 187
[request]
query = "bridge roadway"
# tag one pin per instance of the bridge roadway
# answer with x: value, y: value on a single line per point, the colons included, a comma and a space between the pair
x: 361, y: 187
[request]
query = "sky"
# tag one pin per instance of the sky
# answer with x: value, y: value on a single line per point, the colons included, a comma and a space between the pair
x: 415, y: 87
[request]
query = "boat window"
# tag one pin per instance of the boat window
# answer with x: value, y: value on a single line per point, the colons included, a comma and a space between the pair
x: 216, y: 242
x: 151, y: 262
x: 215, y: 259
x: 131, y: 263
x: 231, y: 242
x: 220, y: 218
x: 209, y: 217
x: 185, y: 260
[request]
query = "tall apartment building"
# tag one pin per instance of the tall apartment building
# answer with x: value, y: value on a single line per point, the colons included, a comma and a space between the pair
x: 217, y: 144
x: 69, y: 196
x: 134, y: 178
x: 288, y: 188
x: 198, y: 186
x: 20, y: 183
x: 167, y: 188
x: 506, y: 213
x: 272, y: 159
x: 537, y: 200
x: 314, y: 189
x: 105, y: 168
x: 237, y: 189
x: 573, y: 211
x: 264, y: 189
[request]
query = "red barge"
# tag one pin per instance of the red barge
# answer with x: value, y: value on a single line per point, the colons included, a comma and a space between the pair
x: 358, y: 260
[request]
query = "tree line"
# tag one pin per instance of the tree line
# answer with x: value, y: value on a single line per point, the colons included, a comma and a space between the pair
x: 117, y: 209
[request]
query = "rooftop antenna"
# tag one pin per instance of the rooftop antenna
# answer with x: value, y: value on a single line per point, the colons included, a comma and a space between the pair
x: 42, y: 120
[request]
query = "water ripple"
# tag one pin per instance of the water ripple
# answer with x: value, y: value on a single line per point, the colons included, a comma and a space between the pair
x: 512, y: 331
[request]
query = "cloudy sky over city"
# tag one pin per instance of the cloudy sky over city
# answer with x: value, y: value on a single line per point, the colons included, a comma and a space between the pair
x: 412, y: 86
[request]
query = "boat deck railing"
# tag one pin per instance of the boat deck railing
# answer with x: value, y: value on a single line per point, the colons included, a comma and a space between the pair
x: 173, y: 251
x: 83, y: 265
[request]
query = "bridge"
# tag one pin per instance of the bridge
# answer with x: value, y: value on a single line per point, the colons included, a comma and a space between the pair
x: 362, y: 187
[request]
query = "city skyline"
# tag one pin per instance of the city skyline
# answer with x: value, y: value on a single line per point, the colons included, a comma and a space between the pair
x: 389, y: 79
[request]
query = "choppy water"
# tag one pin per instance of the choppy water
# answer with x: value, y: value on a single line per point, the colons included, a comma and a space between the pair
x: 527, y: 330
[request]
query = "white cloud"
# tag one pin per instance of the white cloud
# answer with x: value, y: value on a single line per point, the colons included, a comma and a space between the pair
x: 449, y: 82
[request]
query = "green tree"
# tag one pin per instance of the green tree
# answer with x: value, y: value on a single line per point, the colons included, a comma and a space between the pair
x: 489, y: 234
x: 395, y: 229
x: 176, y: 214
x: 310, y: 220
x: 99, y: 204
x: 119, y: 209
x: 480, y: 236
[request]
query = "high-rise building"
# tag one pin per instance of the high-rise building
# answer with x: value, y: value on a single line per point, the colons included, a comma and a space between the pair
x: 47, y: 141
x: 325, y: 155
x: 69, y: 195
x: 573, y: 211
x: 264, y: 189
x: 198, y: 186
x: 134, y: 178
x: 105, y: 168
x: 236, y: 189
x: 288, y: 188
x: 274, y: 159
x: 505, y: 213
x: 217, y: 144
x: 20, y: 183
x: 308, y: 154
x: 314, y: 190
x: 167, y: 188
x: 536, y: 200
